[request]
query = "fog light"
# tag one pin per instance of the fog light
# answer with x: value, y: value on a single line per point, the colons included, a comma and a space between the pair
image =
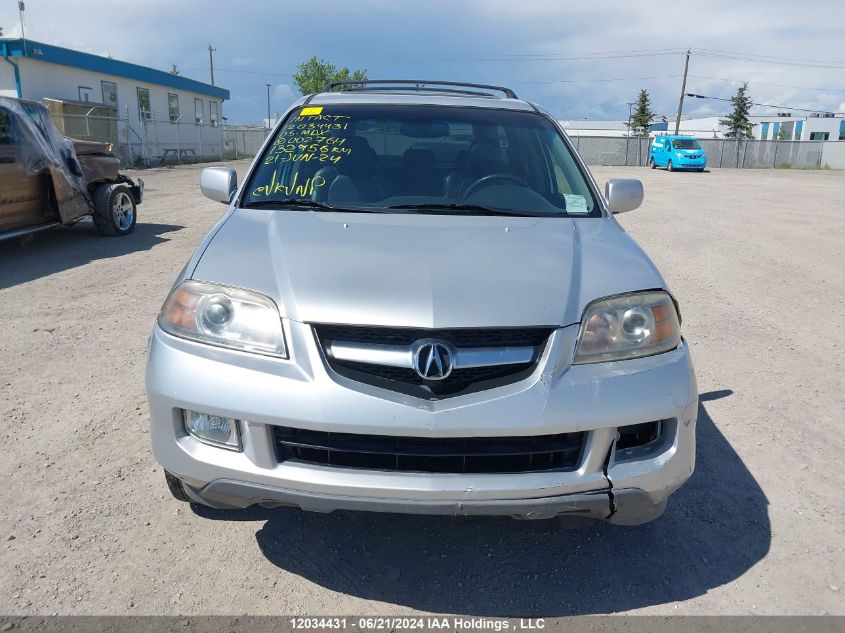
x: 213, y: 429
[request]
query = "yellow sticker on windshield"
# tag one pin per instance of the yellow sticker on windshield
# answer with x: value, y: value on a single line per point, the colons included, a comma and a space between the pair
x: 311, y: 111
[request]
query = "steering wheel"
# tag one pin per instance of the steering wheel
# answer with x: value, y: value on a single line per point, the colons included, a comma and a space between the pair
x: 484, y: 181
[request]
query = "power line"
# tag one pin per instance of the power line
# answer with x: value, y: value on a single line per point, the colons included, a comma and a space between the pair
x: 541, y: 58
x: 763, y: 83
x: 631, y: 54
x: 595, y: 56
x: 598, y: 53
x: 773, y: 57
x: 596, y: 80
x: 512, y: 57
x: 245, y: 72
x: 767, y: 61
x: 762, y: 105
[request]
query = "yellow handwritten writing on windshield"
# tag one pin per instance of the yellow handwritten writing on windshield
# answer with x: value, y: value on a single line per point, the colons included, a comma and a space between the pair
x: 317, y: 116
x: 296, y: 188
x: 306, y: 153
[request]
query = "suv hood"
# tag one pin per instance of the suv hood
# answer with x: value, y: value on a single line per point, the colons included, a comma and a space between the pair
x: 426, y: 271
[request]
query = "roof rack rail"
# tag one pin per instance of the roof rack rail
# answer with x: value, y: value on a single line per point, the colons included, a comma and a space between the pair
x: 416, y: 85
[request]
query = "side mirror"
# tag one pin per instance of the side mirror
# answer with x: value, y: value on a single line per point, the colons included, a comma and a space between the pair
x: 623, y: 194
x: 219, y: 183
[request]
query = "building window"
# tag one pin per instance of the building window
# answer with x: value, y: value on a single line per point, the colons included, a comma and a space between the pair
x: 173, y: 107
x: 819, y: 136
x: 213, y: 113
x: 109, y: 93
x: 144, y: 104
x: 799, y: 127
x: 764, y: 131
x: 199, y: 113
x: 842, y: 130
x: 86, y: 94
x: 775, y: 131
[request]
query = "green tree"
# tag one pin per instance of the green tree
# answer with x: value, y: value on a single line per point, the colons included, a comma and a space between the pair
x: 643, y: 116
x: 737, y: 122
x: 313, y: 75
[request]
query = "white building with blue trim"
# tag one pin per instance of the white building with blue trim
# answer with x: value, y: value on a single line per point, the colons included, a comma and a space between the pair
x: 772, y: 127
x: 150, y: 114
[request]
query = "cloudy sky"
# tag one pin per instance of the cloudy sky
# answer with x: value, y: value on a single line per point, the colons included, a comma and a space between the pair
x: 578, y: 59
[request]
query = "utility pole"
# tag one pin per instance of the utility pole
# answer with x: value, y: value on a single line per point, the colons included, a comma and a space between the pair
x: 269, y: 126
x: 21, y: 9
x: 683, y: 90
x: 628, y: 135
x: 211, y: 62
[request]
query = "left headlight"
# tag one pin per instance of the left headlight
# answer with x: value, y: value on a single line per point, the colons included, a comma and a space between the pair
x: 628, y: 326
x: 224, y: 316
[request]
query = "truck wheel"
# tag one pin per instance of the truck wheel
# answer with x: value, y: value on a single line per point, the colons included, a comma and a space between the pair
x: 114, y: 209
x: 174, y: 484
x: 669, y: 166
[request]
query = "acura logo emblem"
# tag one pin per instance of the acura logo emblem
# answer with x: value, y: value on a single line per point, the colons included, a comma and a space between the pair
x: 433, y: 360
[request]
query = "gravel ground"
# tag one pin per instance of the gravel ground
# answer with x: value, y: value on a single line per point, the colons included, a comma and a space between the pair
x: 88, y: 527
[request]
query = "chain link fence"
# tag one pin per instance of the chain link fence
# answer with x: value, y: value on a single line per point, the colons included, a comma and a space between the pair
x: 242, y: 141
x: 721, y: 152
x: 150, y: 142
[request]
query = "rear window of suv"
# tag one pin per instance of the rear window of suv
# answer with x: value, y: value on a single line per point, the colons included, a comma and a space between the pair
x: 413, y: 159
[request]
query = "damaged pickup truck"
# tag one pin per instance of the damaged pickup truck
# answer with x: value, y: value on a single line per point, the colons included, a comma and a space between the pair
x: 47, y: 180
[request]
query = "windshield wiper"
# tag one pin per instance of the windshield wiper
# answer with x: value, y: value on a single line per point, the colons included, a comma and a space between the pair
x: 287, y: 202
x: 465, y: 209
x: 303, y: 203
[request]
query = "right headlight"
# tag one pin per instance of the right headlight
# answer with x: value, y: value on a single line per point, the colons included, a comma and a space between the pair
x: 628, y: 326
x: 224, y: 316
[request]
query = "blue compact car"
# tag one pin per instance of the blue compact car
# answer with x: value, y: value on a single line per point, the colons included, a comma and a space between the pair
x: 676, y: 152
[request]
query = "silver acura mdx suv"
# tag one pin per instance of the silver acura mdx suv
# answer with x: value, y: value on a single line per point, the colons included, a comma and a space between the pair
x: 419, y: 301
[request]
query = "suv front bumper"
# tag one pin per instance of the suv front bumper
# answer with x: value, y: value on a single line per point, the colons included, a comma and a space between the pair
x: 624, y: 487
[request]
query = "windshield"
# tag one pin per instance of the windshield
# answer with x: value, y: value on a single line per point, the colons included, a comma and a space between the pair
x: 685, y: 143
x: 423, y: 159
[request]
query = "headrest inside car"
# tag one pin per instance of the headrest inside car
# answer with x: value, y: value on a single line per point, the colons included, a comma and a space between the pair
x: 360, y: 160
x: 485, y: 157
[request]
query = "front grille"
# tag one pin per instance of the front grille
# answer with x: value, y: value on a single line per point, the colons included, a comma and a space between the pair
x: 460, y: 337
x: 461, y: 381
x: 430, y: 455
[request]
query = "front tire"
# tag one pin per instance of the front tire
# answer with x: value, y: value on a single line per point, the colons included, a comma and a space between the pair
x: 651, y: 163
x: 174, y: 484
x: 669, y: 166
x: 115, y: 213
